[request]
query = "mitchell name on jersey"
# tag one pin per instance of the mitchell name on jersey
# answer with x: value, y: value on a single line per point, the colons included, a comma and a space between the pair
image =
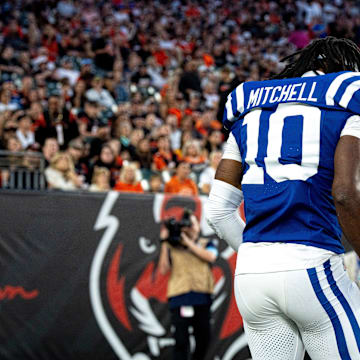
x: 298, y: 92
x: 335, y: 90
x: 287, y: 131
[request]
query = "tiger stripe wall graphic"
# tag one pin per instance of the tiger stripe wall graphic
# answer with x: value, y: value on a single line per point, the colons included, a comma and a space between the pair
x: 79, y: 278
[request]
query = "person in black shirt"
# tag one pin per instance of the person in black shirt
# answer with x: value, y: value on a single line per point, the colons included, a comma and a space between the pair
x: 8, y: 64
x: 190, y: 80
x: 58, y: 123
x: 141, y: 77
x: 104, y: 54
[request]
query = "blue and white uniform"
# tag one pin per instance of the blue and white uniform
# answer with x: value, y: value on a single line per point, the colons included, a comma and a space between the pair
x: 290, y: 284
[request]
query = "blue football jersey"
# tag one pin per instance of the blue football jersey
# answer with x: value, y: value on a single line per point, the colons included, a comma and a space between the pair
x: 287, y: 131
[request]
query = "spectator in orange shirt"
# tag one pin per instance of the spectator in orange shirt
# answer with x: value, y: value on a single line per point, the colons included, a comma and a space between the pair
x: 207, y: 122
x: 191, y: 153
x: 181, y: 183
x: 127, y: 180
x: 164, y: 158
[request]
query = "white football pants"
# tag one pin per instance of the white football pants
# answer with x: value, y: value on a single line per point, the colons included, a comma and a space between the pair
x: 287, y: 312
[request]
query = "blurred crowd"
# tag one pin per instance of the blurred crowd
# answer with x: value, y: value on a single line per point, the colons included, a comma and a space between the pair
x: 129, y: 95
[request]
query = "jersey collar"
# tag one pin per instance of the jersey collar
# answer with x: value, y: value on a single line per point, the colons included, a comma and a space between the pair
x: 312, y: 73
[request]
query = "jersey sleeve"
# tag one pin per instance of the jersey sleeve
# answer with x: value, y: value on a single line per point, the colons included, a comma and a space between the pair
x: 231, y: 150
x: 352, y: 127
x: 344, y: 91
x: 234, y: 106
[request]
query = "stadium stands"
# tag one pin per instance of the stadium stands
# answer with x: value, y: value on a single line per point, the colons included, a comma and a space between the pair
x: 112, y: 73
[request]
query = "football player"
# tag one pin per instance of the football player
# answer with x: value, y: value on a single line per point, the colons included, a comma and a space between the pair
x: 293, y: 155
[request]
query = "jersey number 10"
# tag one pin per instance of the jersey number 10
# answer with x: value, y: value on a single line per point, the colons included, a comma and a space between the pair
x: 281, y: 172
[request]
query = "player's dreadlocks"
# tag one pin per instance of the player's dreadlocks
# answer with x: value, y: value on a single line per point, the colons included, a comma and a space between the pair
x: 329, y: 54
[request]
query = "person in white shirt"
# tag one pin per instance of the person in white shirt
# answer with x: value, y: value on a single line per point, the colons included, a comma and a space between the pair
x: 66, y: 71
x: 24, y: 132
x: 6, y: 102
x: 100, y: 95
x: 175, y: 135
x: 61, y: 174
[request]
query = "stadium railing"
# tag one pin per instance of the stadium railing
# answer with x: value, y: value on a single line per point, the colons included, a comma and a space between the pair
x: 22, y: 170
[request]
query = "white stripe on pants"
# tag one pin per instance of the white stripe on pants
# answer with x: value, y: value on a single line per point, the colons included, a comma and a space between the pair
x: 287, y: 312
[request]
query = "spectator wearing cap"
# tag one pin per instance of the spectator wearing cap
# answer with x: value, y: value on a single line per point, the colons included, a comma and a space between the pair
x: 181, y: 183
x: 127, y: 180
x: 208, y: 175
x: 25, y: 132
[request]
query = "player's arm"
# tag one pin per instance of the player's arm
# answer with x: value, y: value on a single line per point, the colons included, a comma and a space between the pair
x: 346, y: 185
x: 225, y: 196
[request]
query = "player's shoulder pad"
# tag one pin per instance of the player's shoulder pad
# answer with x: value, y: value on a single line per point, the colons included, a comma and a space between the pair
x: 234, y: 106
x: 342, y: 87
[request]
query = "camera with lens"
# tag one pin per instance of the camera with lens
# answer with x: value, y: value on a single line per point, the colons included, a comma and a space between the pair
x: 175, y: 227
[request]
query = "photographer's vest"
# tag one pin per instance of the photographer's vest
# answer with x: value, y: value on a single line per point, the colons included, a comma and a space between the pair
x: 188, y: 272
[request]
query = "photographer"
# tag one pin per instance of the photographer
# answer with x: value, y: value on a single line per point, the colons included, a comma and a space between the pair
x: 191, y: 283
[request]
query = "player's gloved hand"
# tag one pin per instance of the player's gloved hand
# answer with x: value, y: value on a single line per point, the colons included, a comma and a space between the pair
x: 227, y: 124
